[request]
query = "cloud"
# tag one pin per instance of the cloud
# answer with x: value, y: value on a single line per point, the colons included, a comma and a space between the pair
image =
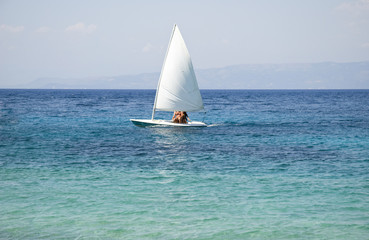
x: 147, y: 48
x: 356, y: 8
x: 81, y: 28
x: 225, y: 41
x: 12, y: 29
x: 355, y: 14
x: 43, y: 30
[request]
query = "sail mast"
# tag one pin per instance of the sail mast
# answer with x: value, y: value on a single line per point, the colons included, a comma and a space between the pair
x: 165, y: 59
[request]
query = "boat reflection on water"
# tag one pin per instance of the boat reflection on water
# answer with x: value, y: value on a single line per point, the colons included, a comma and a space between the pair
x: 175, y: 137
x: 176, y: 147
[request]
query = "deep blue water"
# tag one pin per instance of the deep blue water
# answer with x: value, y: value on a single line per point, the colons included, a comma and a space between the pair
x: 281, y: 164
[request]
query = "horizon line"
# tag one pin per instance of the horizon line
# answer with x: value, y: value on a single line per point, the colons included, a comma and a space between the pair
x: 205, y: 89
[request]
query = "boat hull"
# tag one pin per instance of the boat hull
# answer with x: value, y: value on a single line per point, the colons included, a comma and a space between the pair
x: 165, y: 123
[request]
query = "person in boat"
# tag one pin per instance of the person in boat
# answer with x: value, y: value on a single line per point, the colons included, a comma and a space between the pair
x: 176, y: 116
x: 180, y: 117
x: 184, y: 118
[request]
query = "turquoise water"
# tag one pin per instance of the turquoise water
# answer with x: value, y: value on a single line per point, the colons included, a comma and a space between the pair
x: 272, y: 165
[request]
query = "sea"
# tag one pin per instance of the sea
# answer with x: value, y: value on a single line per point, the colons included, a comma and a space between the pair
x: 272, y: 164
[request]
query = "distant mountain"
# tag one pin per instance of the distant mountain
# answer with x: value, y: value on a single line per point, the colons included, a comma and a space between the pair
x: 328, y: 75
x: 288, y: 76
x: 140, y: 81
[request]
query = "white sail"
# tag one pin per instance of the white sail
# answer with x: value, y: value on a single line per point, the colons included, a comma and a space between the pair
x: 177, y: 88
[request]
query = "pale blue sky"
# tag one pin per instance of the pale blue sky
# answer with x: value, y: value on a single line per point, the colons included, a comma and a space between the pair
x: 75, y: 39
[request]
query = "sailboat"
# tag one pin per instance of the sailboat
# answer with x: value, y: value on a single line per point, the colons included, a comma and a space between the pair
x: 177, y: 87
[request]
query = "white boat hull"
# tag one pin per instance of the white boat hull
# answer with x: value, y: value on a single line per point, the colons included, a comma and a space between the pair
x: 165, y: 123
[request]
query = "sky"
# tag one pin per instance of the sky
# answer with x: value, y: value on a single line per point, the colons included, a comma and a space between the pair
x: 79, y: 39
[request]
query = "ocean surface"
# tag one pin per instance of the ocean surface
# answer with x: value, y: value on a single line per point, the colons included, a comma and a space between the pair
x: 271, y: 165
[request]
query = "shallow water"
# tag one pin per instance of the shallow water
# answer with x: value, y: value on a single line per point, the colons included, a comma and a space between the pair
x: 272, y: 165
